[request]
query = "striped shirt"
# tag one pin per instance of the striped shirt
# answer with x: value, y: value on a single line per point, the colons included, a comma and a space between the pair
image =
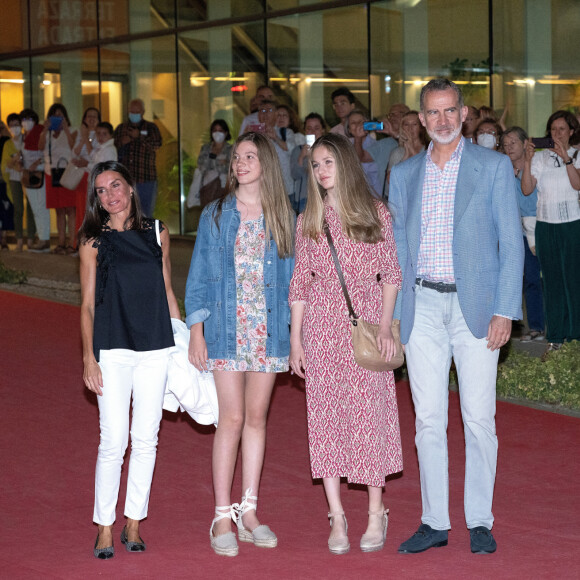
x: 435, y: 261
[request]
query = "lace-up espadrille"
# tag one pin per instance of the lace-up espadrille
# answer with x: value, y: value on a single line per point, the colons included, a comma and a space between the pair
x: 261, y: 536
x: 224, y: 544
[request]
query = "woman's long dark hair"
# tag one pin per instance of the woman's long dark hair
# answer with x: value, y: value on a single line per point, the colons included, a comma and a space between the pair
x: 96, y: 217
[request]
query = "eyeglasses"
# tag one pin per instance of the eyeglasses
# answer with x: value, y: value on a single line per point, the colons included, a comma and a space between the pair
x: 266, y: 110
x: 486, y: 132
x: 391, y: 115
x: 556, y: 160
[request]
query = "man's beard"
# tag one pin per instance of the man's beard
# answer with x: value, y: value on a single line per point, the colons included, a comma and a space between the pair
x: 445, y: 140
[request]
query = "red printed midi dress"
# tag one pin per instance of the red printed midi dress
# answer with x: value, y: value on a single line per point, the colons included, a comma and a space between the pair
x: 353, y: 420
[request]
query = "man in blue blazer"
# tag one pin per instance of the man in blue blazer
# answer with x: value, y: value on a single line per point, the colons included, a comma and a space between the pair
x: 459, y: 243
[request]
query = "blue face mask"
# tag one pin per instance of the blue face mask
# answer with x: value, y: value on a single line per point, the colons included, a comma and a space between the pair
x: 135, y: 118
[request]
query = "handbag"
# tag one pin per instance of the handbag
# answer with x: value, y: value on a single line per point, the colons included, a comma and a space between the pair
x: 56, y: 173
x: 193, y: 195
x: 211, y: 188
x: 32, y: 179
x: 363, y: 333
x: 72, y: 176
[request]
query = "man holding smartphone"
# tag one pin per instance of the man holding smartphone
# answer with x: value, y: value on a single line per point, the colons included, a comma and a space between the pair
x: 137, y: 142
x: 382, y: 149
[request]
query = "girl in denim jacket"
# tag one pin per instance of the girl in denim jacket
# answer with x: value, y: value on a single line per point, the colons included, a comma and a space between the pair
x: 237, y: 311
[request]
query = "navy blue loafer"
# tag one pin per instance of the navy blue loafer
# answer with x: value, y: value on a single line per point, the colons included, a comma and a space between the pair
x: 482, y: 541
x: 423, y: 539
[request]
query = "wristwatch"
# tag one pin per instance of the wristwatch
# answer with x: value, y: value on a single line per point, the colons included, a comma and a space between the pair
x: 569, y: 162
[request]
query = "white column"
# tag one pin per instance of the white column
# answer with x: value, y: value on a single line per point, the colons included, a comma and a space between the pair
x: 415, y: 51
x: 311, y: 62
x: 538, y: 35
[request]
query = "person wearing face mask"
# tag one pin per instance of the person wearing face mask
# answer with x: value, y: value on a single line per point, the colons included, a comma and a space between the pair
x: 214, y: 157
x: 488, y: 134
x: 137, y: 142
x: 513, y: 143
x: 12, y: 166
x: 33, y: 160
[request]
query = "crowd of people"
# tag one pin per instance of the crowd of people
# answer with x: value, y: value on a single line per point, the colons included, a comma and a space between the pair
x: 35, y: 156
x: 400, y: 135
x: 432, y: 217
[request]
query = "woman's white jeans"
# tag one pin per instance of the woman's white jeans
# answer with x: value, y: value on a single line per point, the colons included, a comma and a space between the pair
x: 143, y: 375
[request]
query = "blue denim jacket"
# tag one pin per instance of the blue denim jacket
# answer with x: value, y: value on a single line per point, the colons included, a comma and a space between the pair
x: 210, y: 292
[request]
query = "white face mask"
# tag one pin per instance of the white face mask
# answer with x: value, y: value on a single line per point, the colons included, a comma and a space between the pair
x: 218, y: 136
x: 486, y: 140
x: 27, y: 124
x: 15, y: 130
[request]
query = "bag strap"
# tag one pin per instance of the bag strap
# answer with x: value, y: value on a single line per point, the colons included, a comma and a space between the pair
x: 385, y: 182
x: 157, y: 234
x: 351, y: 312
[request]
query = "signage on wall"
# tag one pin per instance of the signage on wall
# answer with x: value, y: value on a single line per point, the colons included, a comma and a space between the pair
x: 56, y: 22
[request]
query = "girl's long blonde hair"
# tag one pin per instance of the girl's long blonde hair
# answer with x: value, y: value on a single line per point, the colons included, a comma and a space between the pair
x: 355, y: 203
x: 279, y: 217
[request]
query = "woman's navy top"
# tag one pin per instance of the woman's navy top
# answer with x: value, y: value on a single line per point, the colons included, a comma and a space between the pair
x: 131, y: 309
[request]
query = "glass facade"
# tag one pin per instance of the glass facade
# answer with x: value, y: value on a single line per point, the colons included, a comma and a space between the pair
x: 192, y: 61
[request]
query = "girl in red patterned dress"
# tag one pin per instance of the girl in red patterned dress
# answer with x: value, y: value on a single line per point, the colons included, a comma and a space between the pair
x: 353, y: 422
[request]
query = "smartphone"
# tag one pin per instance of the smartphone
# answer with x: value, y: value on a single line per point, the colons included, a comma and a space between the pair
x: 310, y: 140
x: 55, y: 123
x: 258, y: 128
x: 543, y: 142
x: 373, y: 126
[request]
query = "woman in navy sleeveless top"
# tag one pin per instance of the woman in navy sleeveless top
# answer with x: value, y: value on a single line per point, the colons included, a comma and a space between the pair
x: 127, y: 303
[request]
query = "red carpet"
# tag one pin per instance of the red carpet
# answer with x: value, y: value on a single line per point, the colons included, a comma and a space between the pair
x: 48, y: 452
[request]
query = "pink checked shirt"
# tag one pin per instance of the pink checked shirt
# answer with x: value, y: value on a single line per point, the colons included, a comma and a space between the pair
x: 435, y: 261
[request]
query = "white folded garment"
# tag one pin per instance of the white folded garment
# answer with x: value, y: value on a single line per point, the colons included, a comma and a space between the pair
x: 187, y: 388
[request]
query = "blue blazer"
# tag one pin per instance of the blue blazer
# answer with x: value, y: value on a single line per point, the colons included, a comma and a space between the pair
x: 210, y: 291
x: 488, y: 252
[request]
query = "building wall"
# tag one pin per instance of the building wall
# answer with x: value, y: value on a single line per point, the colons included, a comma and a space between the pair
x: 184, y: 57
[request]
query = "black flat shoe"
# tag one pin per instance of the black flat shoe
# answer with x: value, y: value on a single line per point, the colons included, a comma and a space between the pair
x: 132, y: 546
x: 482, y: 541
x: 423, y: 539
x: 103, y: 553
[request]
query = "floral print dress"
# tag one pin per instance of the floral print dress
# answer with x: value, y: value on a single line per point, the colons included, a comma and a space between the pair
x: 251, y: 327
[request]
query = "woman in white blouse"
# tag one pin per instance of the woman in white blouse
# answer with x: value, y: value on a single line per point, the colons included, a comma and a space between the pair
x: 556, y: 173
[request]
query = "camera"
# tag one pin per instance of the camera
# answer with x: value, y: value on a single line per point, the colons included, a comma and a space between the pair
x: 55, y: 123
